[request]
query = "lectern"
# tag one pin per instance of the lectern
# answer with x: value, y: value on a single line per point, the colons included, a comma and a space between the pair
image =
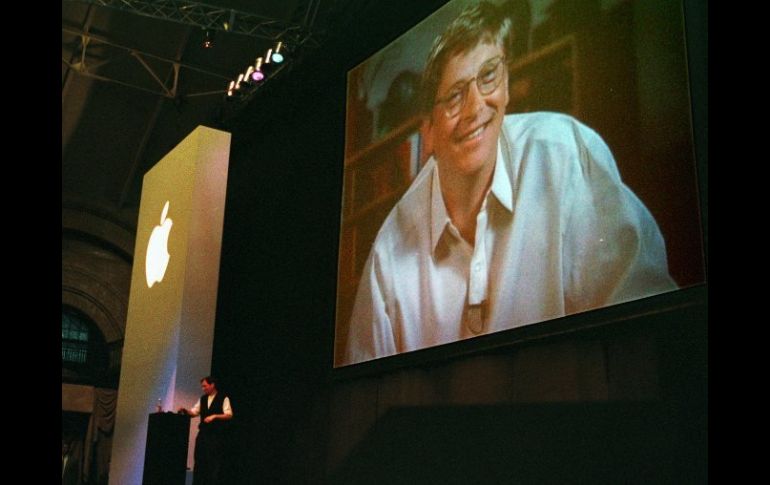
x: 165, y: 457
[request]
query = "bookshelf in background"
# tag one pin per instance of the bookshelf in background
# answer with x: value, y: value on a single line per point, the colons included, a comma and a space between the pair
x: 375, y: 179
x: 545, y: 79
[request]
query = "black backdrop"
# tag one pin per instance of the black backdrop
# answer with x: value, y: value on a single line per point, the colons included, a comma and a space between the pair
x: 275, y: 312
x: 273, y: 342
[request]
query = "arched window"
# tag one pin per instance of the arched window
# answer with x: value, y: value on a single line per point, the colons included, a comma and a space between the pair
x: 83, y: 350
x: 74, y: 338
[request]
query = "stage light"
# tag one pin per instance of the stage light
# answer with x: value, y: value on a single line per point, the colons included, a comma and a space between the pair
x: 263, y: 67
x: 277, y: 56
x: 208, y: 39
x: 257, y: 75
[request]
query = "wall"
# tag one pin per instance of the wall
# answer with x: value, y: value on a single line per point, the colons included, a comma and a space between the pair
x: 96, y: 275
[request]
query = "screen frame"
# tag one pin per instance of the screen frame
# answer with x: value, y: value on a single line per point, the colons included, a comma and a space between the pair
x: 682, y: 303
x: 695, y: 295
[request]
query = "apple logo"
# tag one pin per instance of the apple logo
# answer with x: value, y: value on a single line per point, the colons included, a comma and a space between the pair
x: 157, y: 250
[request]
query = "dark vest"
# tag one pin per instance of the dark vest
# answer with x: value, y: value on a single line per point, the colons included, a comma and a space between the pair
x: 216, y: 408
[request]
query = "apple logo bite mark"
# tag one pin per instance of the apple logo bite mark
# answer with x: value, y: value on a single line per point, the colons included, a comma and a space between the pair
x: 157, y: 250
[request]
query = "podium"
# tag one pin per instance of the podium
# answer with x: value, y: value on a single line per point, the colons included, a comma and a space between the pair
x: 165, y: 457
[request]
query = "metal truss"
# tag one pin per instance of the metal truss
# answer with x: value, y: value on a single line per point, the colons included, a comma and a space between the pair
x: 164, y: 71
x: 87, y: 65
x: 213, y: 18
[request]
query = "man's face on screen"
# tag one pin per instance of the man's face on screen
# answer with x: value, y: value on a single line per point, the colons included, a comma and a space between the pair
x: 465, y: 122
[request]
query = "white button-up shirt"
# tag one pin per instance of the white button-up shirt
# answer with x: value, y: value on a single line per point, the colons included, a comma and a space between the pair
x: 558, y: 233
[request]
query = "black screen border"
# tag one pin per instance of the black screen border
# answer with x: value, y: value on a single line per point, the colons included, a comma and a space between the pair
x: 681, y: 303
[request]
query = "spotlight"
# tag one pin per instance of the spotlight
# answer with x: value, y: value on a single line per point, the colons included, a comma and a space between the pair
x: 262, y: 68
x: 268, y: 66
x: 208, y: 39
x: 257, y: 75
x: 277, y: 53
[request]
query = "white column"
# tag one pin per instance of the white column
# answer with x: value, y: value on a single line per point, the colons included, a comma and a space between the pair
x: 170, y: 325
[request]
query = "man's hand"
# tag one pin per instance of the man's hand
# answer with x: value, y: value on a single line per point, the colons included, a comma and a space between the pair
x: 210, y: 418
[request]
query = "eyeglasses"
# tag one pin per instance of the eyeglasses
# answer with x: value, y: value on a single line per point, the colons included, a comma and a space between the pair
x: 487, y: 80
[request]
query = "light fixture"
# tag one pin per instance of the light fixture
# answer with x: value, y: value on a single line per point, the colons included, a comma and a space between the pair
x: 263, y: 67
x: 274, y: 57
x: 257, y: 75
x: 208, y: 39
x: 277, y: 56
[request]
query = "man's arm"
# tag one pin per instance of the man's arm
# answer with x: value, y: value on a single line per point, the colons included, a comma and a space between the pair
x: 370, y: 333
x: 195, y: 411
x: 613, y: 248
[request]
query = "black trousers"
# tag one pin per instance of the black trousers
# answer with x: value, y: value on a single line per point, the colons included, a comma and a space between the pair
x: 209, y: 457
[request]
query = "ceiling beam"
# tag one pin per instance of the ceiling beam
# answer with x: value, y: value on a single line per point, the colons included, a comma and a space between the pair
x: 150, y: 126
x: 211, y: 17
x: 87, y: 68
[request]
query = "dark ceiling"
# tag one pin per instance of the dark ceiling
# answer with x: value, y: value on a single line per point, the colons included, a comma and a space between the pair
x: 135, y: 83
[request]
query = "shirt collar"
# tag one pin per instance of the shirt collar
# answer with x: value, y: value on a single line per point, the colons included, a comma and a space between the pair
x: 501, y: 180
x: 438, y: 214
x: 500, y: 187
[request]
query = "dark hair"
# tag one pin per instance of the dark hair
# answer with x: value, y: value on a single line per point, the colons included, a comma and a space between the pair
x: 483, y: 22
x: 210, y: 380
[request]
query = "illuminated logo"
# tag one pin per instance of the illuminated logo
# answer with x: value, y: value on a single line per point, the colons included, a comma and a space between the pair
x: 157, y: 250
